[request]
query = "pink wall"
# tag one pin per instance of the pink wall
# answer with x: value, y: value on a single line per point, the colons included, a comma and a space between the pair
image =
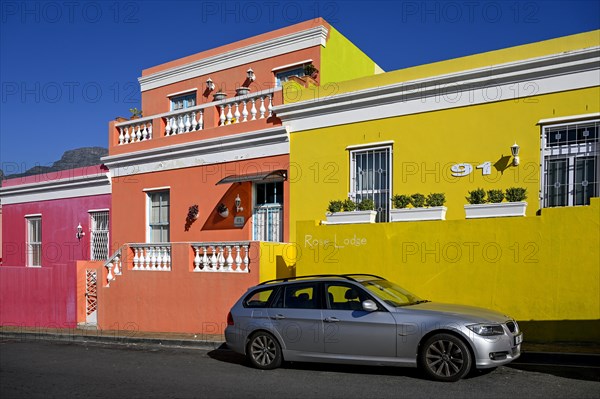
x: 38, y: 297
x: 59, y: 222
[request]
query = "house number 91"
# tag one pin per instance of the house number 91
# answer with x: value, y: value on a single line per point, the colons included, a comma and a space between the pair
x: 464, y: 169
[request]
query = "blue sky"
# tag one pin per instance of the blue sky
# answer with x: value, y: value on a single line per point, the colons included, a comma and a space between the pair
x: 67, y: 68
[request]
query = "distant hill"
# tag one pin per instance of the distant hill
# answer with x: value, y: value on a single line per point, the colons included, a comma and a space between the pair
x: 71, y: 159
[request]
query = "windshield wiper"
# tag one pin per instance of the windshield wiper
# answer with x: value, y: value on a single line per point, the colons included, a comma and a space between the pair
x: 420, y: 301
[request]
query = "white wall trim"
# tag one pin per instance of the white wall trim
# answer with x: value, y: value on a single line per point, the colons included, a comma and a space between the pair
x: 511, y: 81
x: 570, y: 118
x: 98, y: 210
x: 80, y: 186
x: 294, y: 64
x: 371, y: 145
x: 153, y: 189
x: 290, y: 43
x: 236, y: 147
x: 32, y: 215
x: 195, y: 89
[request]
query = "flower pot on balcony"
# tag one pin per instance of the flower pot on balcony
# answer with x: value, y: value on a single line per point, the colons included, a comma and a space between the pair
x: 242, y: 91
x: 219, y: 96
x: 351, y: 217
x: 416, y: 214
x: 502, y: 209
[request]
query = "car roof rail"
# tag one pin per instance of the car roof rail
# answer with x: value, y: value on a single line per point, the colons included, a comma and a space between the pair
x: 343, y: 276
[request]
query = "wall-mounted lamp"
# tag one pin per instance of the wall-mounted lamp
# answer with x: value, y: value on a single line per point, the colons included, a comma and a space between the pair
x: 209, y: 84
x: 80, y: 232
x: 238, y: 204
x: 251, y: 75
x: 514, y: 150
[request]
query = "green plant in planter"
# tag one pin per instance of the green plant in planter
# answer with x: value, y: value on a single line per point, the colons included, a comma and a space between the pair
x: 348, y: 205
x: 400, y: 201
x: 366, y: 205
x: 435, y: 199
x: 335, y: 206
x: 495, y: 196
x: 135, y: 113
x: 516, y: 194
x: 417, y: 200
x: 476, y: 196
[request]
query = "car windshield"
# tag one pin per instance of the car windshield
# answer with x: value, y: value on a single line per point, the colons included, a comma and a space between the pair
x: 390, y: 293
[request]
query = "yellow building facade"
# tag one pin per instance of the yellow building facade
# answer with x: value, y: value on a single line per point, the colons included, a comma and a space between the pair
x: 452, y: 127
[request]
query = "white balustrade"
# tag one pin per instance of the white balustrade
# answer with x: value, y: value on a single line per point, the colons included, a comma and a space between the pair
x: 236, y: 110
x: 114, y: 266
x: 221, y: 257
x: 154, y: 257
x: 184, y: 122
x: 135, y: 131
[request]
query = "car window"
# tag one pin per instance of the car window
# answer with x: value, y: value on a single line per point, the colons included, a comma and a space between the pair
x: 300, y: 296
x: 259, y: 299
x: 345, y: 297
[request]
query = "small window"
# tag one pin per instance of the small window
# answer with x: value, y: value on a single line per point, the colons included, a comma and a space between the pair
x: 300, y: 296
x: 284, y: 75
x: 182, y: 102
x: 158, y: 220
x: 259, y: 299
x: 34, y: 241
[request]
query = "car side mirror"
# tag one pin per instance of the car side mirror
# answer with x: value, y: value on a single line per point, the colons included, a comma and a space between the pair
x: 369, y: 305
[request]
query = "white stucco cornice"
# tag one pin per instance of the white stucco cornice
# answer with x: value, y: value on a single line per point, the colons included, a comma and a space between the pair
x: 68, y: 187
x: 296, y: 41
x: 257, y: 144
x: 510, y: 81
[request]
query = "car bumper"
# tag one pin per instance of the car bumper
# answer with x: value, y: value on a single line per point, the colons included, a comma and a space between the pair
x: 495, y: 352
x: 235, y: 340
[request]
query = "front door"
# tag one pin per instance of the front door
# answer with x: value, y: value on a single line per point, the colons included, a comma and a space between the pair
x: 91, y: 297
x: 268, y: 212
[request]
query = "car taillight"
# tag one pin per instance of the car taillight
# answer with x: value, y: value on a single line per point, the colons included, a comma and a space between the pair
x: 229, y: 319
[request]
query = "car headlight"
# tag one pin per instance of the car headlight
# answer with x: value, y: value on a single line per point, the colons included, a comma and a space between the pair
x: 486, y: 329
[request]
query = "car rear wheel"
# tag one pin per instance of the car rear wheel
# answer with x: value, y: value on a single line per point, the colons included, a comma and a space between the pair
x: 263, y: 351
x: 445, y: 357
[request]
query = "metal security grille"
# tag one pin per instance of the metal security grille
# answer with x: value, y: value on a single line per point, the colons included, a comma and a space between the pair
x: 268, y: 223
x: 99, y: 235
x: 371, y: 178
x: 91, y: 297
x: 570, y: 163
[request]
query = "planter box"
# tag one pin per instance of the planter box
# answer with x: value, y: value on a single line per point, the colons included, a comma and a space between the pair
x: 351, y: 217
x: 502, y: 209
x: 414, y: 214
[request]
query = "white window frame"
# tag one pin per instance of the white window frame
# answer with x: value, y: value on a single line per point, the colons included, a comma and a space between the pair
x: 29, y: 244
x: 383, y: 213
x: 94, y: 214
x: 269, y: 209
x: 149, y: 193
x: 568, y: 152
x: 186, y: 95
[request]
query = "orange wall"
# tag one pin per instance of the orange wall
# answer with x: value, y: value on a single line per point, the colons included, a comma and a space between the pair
x: 176, y: 301
x: 191, y: 186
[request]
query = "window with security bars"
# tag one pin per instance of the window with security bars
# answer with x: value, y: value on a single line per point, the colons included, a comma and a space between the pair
x: 158, y: 220
x: 34, y: 241
x: 99, y: 235
x: 570, y: 163
x: 371, y: 176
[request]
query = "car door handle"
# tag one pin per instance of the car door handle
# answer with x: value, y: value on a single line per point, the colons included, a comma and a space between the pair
x: 278, y: 317
x: 331, y: 320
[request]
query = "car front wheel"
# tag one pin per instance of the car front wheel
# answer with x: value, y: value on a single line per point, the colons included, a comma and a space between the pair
x: 445, y: 357
x: 263, y: 351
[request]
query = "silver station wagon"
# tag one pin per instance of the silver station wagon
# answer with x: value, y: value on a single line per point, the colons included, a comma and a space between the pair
x: 365, y: 319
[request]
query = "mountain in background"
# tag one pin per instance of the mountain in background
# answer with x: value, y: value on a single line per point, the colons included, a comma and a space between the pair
x: 71, y: 159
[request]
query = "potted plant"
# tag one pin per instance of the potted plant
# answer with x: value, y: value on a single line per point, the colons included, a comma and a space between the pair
x: 219, y: 95
x: 242, y: 91
x: 223, y: 210
x: 423, y: 208
x: 311, y: 70
x: 343, y: 212
x: 135, y: 113
x: 492, y: 206
x: 193, y: 213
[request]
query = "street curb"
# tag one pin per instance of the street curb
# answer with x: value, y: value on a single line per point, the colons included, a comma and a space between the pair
x: 559, y: 358
x: 106, y: 339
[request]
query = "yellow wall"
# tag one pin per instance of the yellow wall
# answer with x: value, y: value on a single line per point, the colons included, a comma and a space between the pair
x: 527, y: 51
x: 277, y: 260
x: 532, y: 268
x: 426, y: 145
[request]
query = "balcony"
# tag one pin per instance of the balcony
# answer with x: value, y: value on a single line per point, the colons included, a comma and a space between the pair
x: 250, y: 108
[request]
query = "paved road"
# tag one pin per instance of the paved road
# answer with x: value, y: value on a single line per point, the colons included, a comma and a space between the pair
x: 46, y: 369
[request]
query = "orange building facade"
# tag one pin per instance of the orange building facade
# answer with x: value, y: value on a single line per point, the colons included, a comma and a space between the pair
x: 200, y: 178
